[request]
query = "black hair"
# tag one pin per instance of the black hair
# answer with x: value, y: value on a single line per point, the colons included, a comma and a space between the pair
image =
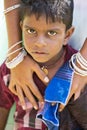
x: 56, y: 10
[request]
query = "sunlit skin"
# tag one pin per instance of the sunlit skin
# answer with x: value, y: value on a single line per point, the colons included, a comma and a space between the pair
x: 43, y: 41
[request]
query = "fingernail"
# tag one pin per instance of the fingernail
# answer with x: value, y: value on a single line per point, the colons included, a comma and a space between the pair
x: 53, y: 104
x: 42, y: 103
x: 24, y: 107
x: 35, y: 108
x: 46, y: 79
x: 60, y: 110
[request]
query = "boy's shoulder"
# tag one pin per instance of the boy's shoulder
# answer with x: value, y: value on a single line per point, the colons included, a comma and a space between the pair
x: 3, y: 69
x: 4, y: 74
x: 69, y: 52
x: 6, y: 97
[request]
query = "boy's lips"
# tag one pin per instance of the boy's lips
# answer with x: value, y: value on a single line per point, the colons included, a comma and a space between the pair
x: 39, y: 52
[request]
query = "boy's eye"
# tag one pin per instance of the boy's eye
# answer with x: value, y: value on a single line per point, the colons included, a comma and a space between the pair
x: 31, y: 31
x: 52, y: 33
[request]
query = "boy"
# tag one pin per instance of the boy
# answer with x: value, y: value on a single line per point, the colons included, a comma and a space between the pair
x: 46, y: 28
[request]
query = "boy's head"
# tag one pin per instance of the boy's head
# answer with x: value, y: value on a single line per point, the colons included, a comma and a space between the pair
x: 46, y: 27
x: 56, y: 10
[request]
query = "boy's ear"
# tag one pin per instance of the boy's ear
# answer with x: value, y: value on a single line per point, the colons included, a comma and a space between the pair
x: 21, y: 24
x: 69, y: 33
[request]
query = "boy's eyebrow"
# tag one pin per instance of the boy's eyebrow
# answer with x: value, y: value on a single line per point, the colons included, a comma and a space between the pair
x: 50, y: 29
x: 26, y: 26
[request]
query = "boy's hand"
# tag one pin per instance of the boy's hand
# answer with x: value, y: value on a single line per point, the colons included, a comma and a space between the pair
x: 21, y: 78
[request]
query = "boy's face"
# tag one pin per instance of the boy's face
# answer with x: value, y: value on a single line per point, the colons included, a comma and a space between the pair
x: 43, y: 41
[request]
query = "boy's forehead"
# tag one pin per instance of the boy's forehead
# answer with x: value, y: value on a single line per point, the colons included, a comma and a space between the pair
x: 41, y: 23
x: 33, y: 19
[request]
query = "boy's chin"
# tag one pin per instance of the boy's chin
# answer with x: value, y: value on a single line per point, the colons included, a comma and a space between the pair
x: 40, y: 61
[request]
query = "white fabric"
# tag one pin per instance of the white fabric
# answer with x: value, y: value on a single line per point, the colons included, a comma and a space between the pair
x: 80, y: 23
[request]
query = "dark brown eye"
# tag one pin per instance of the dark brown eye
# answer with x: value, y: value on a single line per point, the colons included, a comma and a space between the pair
x: 31, y: 31
x: 52, y: 33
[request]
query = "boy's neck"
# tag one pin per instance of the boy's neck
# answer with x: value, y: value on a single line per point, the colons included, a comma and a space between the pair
x: 53, y: 61
x: 53, y: 67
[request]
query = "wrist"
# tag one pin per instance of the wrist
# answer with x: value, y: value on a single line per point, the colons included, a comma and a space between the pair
x: 83, y: 50
x: 8, y: 3
x: 16, y: 60
x: 14, y: 50
x: 14, y: 55
x: 78, y: 64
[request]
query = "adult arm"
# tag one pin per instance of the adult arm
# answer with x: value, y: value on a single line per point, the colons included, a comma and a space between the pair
x: 3, y: 117
x: 21, y: 76
x: 12, y: 22
x: 78, y: 82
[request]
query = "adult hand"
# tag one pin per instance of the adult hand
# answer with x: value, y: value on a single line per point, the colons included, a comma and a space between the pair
x: 22, y: 79
x: 77, y: 87
x: 78, y: 82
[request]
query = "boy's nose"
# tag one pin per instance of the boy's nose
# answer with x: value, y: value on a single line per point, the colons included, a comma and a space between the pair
x: 40, y: 42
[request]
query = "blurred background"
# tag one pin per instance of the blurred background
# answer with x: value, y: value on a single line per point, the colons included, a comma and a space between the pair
x: 3, y: 34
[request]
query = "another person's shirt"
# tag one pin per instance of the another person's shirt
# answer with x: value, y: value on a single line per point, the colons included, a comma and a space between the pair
x: 26, y: 120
